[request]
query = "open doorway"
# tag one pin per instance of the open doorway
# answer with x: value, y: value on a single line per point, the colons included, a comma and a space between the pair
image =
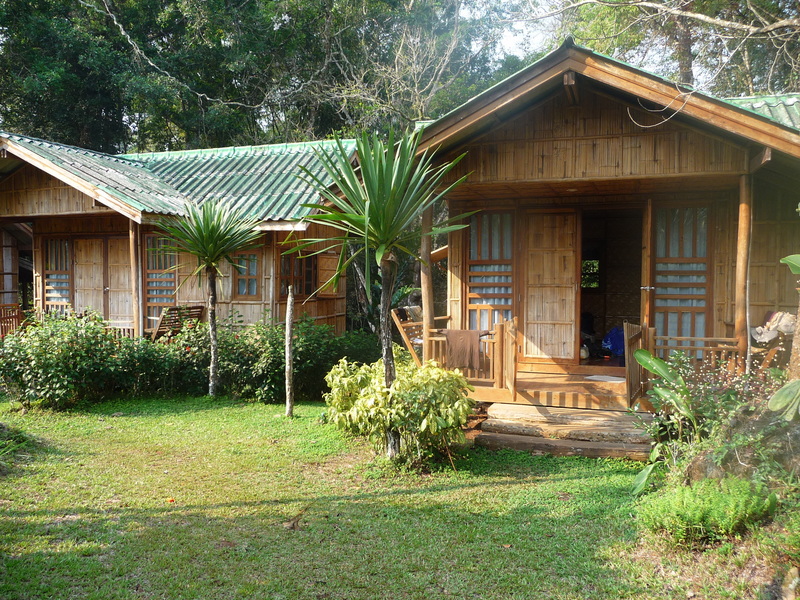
x: 610, y: 288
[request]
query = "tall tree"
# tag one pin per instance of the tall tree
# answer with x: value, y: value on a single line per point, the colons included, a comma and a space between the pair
x: 377, y: 206
x: 212, y: 234
x: 728, y: 48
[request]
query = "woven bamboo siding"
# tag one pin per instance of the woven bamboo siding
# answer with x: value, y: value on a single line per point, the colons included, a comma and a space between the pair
x: 776, y: 233
x: 30, y: 192
x: 599, y: 138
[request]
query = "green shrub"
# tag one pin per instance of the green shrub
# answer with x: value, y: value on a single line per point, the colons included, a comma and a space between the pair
x: 63, y: 360
x: 708, y: 511
x: 60, y: 361
x: 428, y: 405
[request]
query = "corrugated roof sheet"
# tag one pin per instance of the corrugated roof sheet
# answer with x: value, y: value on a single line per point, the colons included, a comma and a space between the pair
x: 126, y: 180
x: 260, y: 180
x: 783, y: 109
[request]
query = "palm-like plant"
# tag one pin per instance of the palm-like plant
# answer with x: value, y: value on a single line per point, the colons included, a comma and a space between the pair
x: 376, y: 206
x: 212, y: 234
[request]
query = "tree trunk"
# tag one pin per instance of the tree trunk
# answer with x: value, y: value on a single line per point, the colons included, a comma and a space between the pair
x: 289, y: 364
x: 388, y: 275
x: 213, y: 368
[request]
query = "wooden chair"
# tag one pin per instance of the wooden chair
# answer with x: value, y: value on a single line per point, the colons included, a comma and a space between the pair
x: 173, y: 318
x: 408, y: 320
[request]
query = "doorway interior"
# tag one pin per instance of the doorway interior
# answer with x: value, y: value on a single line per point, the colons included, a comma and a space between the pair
x: 610, y: 286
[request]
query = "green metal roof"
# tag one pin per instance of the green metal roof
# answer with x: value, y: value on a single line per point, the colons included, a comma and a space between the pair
x: 126, y: 180
x: 783, y: 109
x: 259, y: 180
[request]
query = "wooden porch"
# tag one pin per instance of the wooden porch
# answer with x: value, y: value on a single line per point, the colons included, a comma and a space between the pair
x: 500, y: 378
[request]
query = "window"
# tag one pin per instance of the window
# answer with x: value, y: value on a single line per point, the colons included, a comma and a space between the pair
x: 301, y: 273
x: 159, y: 278
x: 490, y: 277
x: 590, y: 274
x: 58, y: 277
x: 245, y: 277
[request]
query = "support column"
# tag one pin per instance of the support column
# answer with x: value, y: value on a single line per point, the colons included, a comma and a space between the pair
x: 741, y: 330
x: 136, y: 276
x: 426, y: 283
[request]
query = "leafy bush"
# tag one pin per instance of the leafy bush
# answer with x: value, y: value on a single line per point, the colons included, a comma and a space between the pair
x: 428, y: 406
x: 60, y: 361
x: 63, y: 360
x: 707, y: 511
x: 698, y: 407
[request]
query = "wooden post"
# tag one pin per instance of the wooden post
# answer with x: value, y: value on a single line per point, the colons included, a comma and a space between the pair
x: 426, y: 283
x: 741, y: 330
x: 647, y: 266
x: 289, y: 361
x: 499, y: 356
x: 136, y: 277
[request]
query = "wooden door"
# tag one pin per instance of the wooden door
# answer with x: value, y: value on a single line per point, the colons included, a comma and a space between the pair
x: 90, y: 276
x: 119, y: 289
x: 103, y: 279
x: 682, y: 273
x: 551, y: 288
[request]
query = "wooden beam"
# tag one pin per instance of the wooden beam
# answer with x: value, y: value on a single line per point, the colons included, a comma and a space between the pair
x: 571, y: 88
x: 426, y: 283
x: 741, y: 330
x: 760, y: 159
x: 136, y: 276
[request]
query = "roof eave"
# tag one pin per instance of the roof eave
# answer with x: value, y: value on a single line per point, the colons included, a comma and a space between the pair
x: 102, y: 196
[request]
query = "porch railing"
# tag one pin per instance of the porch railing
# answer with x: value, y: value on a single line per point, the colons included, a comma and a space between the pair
x: 719, y: 351
x: 490, y: 370
x: 11, y: 318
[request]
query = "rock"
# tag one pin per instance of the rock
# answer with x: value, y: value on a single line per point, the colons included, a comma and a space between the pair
x: 790, y: 584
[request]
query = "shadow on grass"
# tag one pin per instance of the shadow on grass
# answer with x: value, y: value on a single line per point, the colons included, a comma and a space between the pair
x: 506, y: 538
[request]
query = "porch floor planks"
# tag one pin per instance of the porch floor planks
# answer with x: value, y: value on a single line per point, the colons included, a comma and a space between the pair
x: 564, y: 431
x: 556, y: 389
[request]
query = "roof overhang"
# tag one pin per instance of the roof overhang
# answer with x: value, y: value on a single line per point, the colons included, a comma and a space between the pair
x: 92, y: 191
x: 543, y: 78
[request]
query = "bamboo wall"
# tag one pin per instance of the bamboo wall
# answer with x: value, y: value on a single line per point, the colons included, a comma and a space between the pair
x: 30, y: 192
x: 776, y: 234
x: 597, y: 138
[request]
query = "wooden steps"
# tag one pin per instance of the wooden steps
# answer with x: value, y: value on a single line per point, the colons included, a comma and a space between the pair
x: 572, y: 391
x: 564, y: 431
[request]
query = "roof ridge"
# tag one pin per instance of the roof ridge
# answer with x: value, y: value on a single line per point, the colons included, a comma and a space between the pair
x: 763, y: 97
x: 68, y: 147
x: 268, y: 149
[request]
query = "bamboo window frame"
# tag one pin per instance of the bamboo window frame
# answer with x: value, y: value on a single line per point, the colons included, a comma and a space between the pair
x: 160, y: 277
x: 59, y: 277
x: 247, y: 276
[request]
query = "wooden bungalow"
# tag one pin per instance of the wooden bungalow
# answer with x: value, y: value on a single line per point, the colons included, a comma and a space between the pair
x: 610, y: 197
x: 84, y: 224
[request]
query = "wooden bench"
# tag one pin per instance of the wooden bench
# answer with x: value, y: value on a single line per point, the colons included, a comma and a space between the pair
x: 173, y: 318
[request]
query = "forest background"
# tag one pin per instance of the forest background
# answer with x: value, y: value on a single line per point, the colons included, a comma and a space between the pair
x: 152, y: 75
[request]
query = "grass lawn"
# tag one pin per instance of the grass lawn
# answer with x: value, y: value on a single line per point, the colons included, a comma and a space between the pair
x: 215, y: 499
